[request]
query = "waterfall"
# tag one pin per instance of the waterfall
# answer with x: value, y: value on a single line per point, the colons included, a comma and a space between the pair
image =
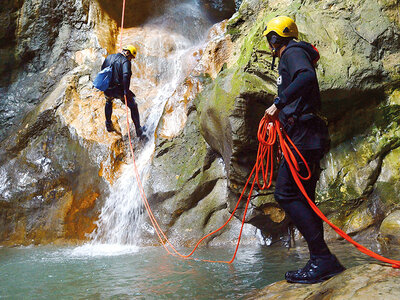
x: 166, y: 48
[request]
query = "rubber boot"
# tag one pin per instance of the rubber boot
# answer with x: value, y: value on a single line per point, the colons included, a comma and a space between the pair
x: 141, y: 133
x: 316, y: 270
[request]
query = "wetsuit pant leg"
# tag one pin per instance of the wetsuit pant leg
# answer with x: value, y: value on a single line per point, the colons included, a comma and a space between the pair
x: 110, y: 94
x: 118, y: 92
x: 296, y: 206
x: 108, y: 109
x: 134, y: 111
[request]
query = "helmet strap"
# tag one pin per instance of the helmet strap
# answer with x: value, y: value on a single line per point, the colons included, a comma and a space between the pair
x: 276, y: 43
x: 273, y: 62
x: 275, y: 52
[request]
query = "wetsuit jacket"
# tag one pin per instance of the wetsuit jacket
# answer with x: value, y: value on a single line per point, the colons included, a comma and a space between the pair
x: 122, y: 71
x: 299, y: 97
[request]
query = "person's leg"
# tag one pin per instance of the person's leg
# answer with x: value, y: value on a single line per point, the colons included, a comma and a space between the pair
x: 308, y: 223
x: 295, y: 205
x: 108, y: 113
x: 134, y: 113
x: 322, y: 264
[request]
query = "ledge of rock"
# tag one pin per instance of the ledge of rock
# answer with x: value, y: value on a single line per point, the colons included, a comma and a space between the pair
x: 370, y: 281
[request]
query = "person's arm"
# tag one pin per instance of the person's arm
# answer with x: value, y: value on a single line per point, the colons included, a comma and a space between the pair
x: 302, y: 75
x: 126, y: 76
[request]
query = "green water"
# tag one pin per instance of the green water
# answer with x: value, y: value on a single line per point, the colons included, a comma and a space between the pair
x: 149, y: 273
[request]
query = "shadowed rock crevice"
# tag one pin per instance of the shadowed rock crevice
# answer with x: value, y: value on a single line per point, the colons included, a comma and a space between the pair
x: 210, y: 214
x: 31, y: 131
x: 193, y: 199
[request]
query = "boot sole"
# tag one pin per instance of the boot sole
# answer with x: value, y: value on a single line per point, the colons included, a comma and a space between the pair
x: 319, y: 280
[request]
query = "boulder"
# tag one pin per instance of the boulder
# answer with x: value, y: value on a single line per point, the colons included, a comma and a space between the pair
x: 361, y: 282
x: 390, y: 227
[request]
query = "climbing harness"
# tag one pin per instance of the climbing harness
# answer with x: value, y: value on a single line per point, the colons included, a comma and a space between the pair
x: 269, y: 131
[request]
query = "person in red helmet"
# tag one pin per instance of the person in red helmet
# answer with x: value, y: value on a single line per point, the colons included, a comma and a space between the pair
x: 297, y: 106
x: 119, y: 87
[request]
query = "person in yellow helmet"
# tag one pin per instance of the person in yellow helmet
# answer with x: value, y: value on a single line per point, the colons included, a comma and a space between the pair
x: 119, y: 86
x: 297, y: 106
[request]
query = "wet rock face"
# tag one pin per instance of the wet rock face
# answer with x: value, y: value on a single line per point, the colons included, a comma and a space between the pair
x: 359, y: 85
x: 51, y: 181
x: 390, y: 227
x: 362, y: 282
x: 36, y: 51
x: 48, y: 190
x: 139, y: 12
x: 58, y: 161
x: 56, y: 170
x: 54, y: 48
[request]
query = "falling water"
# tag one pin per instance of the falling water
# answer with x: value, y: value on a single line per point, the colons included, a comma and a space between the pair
x: 166, y: 47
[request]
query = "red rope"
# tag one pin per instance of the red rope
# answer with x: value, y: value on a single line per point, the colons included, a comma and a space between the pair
x: 265, y: 150
x: 270, y: 129
x: 122, y: 24
x: 267, y: 128
x: 288, y: 154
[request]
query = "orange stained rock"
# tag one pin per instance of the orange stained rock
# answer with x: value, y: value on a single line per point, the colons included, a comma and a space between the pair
x: 83, y: 110
x: 176, y: 109
x: 105, y: 27
x: 67, y: 221
x: 85, y: 55
x: 276, y: 214
x: 18, y: 236
x: 218, y: 51
x: 80, y: 218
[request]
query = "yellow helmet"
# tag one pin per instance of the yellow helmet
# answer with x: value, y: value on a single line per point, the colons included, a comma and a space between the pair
x: 131, y: 49
x: 282, y: 26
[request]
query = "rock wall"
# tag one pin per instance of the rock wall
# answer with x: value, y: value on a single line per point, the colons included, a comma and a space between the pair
x: 359, y: 79
x: 55, y: 170
x: 38, y: 46
x: 57, y: 162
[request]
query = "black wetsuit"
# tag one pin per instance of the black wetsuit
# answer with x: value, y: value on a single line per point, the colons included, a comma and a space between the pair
x: 119, y: 86
x: 299, y: 102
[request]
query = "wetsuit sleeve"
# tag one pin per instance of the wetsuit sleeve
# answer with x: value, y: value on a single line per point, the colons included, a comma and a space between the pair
x: 302, y: 75
x: 126, y: 76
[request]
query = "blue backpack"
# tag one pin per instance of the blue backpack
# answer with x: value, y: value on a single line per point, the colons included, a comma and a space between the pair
x: 103, y: 79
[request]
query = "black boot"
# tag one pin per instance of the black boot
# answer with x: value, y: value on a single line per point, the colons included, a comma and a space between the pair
x: 109, y: 126
x: 141, y: 133
x: 316, y: 270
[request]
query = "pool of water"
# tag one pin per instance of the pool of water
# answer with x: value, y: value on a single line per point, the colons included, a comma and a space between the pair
x: 104, y: 272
